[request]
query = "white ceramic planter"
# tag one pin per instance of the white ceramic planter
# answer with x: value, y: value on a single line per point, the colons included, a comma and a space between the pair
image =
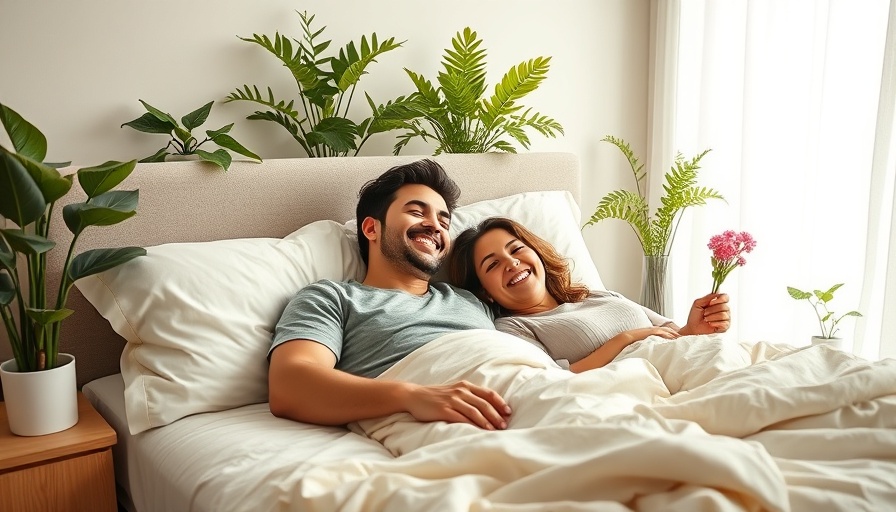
x: 831, y: 342
x: 39, y: 403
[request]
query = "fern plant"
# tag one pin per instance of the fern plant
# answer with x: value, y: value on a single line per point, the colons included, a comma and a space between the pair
x: 655, y: 232
x: 457, y: 117
x: 318, y: 119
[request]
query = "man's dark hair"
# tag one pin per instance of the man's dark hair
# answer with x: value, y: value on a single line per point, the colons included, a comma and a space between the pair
x: 377, y: 195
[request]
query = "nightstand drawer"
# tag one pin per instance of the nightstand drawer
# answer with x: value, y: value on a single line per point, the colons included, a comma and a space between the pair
x: 67, y: 471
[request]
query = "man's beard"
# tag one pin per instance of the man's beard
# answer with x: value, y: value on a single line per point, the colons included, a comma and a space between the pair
x: 396, y: 248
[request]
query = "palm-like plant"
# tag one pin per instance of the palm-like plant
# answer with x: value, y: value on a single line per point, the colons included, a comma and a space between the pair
x: 326, y: 87
x: 455, y: 114
x: 655, y: 232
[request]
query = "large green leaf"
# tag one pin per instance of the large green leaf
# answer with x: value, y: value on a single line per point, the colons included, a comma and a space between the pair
x: 149, y: 123
x: 195, y: 118
x: 45, y: 317
x: 228, y: 142
x: 337, y: 133
x: 51, y: 184
x: 99, y: 260
x: 104, y: 210
x: 224, y: 129
x: 26, y: 243
x: 26, y: 139
x: 179, y: 132
x: 102, y: 178
x: 21, y: 199
x: 162, y: 116
x: 220, y: 157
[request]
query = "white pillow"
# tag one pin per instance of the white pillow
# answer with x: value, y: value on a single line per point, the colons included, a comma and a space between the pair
x: 552, y: 215
x: 198, y: 317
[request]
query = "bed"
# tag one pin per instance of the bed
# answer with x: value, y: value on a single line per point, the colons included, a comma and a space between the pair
x: 170, y: 350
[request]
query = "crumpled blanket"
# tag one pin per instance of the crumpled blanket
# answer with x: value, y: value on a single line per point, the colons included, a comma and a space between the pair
x: 696, y: 423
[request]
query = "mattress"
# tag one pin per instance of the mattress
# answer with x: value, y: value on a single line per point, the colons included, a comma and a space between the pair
x: 203, y: 462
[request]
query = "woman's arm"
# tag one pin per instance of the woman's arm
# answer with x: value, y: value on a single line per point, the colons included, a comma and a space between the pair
x: 609, y: 350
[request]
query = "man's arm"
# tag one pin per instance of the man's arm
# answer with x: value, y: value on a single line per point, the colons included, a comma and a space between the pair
x: 303, y: 385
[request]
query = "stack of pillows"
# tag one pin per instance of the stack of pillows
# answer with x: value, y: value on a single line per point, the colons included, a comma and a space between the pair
x: 198, y: 317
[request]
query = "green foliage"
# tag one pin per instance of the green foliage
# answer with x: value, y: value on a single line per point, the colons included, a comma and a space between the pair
x: 183, y: 142
x: 655, y: 232
x: 457, y: 117
x: 326, y: 86
x: 29, y: 189
x: 819, y: 301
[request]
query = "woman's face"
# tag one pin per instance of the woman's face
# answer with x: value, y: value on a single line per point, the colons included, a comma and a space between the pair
x: 511, y: 273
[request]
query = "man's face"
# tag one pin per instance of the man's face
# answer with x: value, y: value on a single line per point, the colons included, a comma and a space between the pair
x: 415, y: 233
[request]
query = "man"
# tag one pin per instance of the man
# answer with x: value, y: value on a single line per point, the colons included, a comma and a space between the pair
x: 334, y: 338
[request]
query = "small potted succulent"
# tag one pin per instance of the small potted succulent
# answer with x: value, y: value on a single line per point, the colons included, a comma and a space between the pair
x: 183, y: 142
x: 827, y: 320
x: 39, y: 385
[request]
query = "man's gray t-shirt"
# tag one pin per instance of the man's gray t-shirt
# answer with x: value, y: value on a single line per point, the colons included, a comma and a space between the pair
x: 370, y: 329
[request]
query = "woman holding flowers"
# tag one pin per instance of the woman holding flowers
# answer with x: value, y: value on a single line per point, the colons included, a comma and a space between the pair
x: 529, y: 287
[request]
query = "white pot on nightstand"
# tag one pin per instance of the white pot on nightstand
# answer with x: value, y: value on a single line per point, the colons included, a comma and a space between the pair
x: 831, y: 342
x: 39, y: 403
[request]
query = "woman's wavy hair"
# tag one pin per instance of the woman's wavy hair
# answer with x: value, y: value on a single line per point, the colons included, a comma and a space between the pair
x: 462, y: 267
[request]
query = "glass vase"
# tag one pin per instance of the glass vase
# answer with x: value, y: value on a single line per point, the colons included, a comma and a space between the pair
x: 655, y: 289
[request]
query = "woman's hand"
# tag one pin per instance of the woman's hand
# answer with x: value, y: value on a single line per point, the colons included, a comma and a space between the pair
x: 709, y: 314
x: 665, y: 331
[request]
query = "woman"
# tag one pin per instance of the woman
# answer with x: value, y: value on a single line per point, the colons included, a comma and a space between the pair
x: 531, y: 291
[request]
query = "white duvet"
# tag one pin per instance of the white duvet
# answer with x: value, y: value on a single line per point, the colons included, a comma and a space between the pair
x: 691, y: 424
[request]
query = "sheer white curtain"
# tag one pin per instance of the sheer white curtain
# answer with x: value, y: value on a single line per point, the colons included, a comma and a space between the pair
x: 796, y: 100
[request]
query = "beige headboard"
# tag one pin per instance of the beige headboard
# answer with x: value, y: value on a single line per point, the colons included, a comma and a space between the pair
x: 193, y: 201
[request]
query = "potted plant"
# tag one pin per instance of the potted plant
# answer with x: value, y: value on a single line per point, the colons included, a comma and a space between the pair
x: 32, y: 317
x: 318, y: 120
x: 457, y: 117
x: 655, y: 232
x: 827, y: 320
x: 183, y: 142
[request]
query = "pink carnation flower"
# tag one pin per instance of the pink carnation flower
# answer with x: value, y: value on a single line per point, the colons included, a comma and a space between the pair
x: 728, y: 249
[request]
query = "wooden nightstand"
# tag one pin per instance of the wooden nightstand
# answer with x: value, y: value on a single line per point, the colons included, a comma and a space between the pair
x: 66, y: 471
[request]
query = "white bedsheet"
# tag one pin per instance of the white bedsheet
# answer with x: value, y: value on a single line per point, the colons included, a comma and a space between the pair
x: 690, y: 424
x: 235, y: 460
x: 685, y: 425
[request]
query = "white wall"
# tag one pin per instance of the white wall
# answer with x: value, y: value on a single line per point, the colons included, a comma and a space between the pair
x: 77, y: 69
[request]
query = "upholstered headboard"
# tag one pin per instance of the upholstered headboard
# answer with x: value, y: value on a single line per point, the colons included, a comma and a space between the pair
x: 193, y: 201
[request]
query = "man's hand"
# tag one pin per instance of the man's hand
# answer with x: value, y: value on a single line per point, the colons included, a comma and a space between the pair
x: 709, y: 314
x: 462, y: 402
